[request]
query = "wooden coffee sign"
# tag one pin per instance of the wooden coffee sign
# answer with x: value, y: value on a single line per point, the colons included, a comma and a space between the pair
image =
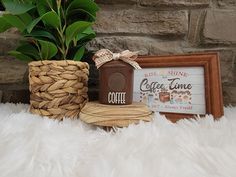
x: 177, y: 89
x: 180, y: 86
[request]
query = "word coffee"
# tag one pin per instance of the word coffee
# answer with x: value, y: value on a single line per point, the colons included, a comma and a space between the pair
x: 116, y: 97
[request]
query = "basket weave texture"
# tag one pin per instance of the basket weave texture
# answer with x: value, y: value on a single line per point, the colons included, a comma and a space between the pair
x: 58, y: 88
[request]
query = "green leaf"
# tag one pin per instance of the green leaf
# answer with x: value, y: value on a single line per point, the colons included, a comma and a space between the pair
x: 48, y: 49
x: 16, y: 21
x: 29, y: 50
x: 74, y: 29
x: 79, y: 54
x: 87, y: 5
x: 77, y: 12
x: 26, y: 18
x: 41, y: 8
x: 47, y: 3
x: 50, y: 18
x: 44, y: 6
x: 20, y: 56
x: 17, y: 7
x: 87, y: 34
x: 4, y: 25
x: 33, y: 24
x: 40, y: 34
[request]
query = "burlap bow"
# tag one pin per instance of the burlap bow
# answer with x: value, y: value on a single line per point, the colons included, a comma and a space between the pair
x: 104, y: 55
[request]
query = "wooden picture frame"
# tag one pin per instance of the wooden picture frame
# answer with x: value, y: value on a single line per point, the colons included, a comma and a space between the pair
x: 212, y: 78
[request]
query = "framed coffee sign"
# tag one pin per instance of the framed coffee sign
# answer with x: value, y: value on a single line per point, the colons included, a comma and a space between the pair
x: 180, y: 86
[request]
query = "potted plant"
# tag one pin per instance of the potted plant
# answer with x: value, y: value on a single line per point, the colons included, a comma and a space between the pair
x: 54, y: 35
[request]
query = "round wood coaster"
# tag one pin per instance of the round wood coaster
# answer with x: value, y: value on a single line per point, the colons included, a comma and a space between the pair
x: 115, y: 115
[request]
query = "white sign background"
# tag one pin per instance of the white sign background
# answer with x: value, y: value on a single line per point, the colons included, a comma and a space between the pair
x: 173, y: 89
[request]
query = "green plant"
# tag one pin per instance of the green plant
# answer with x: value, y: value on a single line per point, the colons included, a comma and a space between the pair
x: 51, y: 29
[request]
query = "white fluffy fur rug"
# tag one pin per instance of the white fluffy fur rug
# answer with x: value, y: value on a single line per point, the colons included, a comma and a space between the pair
x: 31, y: 146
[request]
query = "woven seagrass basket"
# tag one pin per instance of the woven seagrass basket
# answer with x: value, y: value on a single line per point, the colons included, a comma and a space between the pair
x: 58, y: 88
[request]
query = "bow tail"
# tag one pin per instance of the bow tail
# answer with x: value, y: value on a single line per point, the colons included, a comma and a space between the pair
x: 132, y: 63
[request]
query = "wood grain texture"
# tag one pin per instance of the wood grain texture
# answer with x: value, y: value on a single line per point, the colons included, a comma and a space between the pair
x: 115, y: 115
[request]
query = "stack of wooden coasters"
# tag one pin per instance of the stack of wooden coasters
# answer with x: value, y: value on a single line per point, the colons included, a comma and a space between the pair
x: 115, y: 115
